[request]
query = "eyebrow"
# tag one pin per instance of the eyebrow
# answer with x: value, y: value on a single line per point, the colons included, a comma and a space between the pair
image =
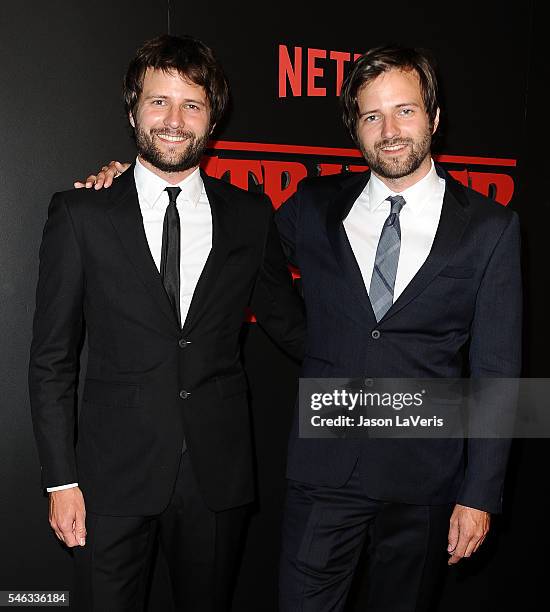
x: 162, y: 97
x: 376, y: 110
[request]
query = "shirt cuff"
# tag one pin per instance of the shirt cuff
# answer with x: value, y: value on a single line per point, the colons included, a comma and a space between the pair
x: 62, y: 487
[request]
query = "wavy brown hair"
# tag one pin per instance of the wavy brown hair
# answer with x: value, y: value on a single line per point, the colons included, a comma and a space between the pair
x: 186, y: 56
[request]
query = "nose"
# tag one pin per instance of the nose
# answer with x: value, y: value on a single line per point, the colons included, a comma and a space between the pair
x: 390, y: 127
x: 174, y: 117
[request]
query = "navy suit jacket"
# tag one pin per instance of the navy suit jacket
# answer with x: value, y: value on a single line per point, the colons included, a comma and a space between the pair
x: 459, y: 316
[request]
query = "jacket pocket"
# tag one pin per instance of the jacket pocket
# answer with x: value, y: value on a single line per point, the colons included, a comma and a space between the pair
x: 457, y: 272
x: 111, y: 393
x: 309, y: 355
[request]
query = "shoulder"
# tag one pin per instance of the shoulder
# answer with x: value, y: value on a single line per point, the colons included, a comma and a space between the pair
x: 82, y: 201
x: 314, y: 193
x: 329, y: 183
x: 482, y: 209
x: 245, y: 201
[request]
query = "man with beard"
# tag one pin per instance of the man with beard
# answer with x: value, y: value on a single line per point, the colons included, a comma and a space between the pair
x: 159, y: 271
x: 405, y: 274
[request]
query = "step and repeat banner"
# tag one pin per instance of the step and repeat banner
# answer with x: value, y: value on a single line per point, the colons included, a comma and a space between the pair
x: 62, y: 118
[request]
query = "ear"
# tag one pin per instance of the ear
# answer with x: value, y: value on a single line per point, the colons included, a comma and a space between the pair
x: 436, y: 121
x: 131, y: 120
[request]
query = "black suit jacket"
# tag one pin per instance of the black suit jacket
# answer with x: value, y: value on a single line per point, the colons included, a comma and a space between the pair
x: 150, y: 383
x: 460, y: 315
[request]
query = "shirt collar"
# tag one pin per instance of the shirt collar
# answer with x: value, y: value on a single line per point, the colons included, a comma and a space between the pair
x: 415, y: 196
x: 150, y: 187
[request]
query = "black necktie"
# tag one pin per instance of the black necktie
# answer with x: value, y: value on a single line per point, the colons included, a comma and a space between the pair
x: 170, y: 255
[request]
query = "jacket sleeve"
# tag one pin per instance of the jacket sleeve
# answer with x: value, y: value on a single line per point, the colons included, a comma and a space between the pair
x: 286, y: 219
x: 495, y: 353
x: 55, y: 348
x: 278, y: 307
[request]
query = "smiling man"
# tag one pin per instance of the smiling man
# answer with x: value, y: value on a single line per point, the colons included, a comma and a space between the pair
x: 159, y: 271
x: 166, y: 142
x: 405, y: 274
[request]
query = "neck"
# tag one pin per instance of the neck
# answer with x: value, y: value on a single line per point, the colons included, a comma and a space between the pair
x: 170, y: 177
x: 398, y: 185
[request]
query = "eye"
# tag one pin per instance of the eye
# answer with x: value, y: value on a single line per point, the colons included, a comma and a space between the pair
x: 370, y: 118
x: 158, y: 102
x: 406, y: 112
x: 192, y: 106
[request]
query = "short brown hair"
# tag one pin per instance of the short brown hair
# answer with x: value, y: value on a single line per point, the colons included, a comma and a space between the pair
x: 187, y: 56
x: 381, y: 59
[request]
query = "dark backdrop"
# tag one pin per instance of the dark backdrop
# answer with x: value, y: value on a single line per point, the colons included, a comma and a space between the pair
x: 61, y: 117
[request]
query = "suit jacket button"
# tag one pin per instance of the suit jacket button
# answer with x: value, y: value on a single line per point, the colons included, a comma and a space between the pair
x: 184, y: 394
x: 375, y: 334
x: 183, y: 343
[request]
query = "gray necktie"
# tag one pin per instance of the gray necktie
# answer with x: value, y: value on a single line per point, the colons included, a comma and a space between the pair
x: 387, y: 256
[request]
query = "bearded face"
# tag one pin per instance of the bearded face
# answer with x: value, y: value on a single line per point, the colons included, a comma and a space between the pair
x: 171, y: 121
x: 394, y: 131
x: 394, y: 158
x: 186, y: 151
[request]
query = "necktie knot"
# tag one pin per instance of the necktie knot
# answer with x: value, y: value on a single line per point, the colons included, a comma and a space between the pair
x: 173, y: 193
x: 397, y: 202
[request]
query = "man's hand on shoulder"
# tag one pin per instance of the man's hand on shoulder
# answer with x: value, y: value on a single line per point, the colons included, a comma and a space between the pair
x: 468, y: 528
x: 105, y: 177
x: 68, y: 516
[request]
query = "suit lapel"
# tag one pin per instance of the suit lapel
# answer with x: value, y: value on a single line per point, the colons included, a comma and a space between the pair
x: 126, y: 218
x: 338, y: 210
x: 452, y: 223
x: 223, y: 215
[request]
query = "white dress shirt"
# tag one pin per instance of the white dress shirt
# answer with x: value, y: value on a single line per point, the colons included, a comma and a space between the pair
x: 196, y: 231
x: 418, y: 219
x: 195, y: 225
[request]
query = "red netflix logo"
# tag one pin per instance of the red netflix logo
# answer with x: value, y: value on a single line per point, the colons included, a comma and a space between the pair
x: 314, y: 67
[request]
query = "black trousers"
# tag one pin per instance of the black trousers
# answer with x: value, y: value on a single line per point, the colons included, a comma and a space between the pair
x: 324, y: 530
x: 201, y: 547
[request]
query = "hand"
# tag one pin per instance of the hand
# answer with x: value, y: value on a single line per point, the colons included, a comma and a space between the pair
x: 68, y: 516
x: 468, y: 529
x: 104, y: 178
